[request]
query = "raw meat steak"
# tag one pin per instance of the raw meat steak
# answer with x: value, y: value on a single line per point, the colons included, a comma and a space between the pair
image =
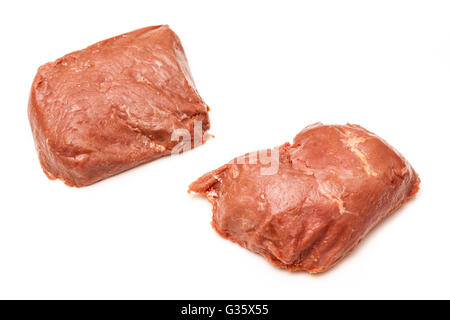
x: 332, y: 186
x: 114, y: 105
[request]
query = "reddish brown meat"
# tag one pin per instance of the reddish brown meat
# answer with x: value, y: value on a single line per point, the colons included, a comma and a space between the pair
x: 112, y: 106
x: 333, y: 185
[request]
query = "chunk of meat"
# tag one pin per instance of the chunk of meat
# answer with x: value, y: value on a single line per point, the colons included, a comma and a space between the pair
x: 114, y: 105
x: 331, y: 187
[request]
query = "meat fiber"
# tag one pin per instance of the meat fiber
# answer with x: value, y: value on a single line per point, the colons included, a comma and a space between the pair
x: 114, y: 105
x: 331, y: 187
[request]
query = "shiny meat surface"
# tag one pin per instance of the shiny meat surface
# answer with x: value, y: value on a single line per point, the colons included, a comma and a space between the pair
x: 112, y: 106
x: 332, y: 186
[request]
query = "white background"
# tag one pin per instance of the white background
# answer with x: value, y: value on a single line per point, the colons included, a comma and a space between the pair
x: 267, y: 69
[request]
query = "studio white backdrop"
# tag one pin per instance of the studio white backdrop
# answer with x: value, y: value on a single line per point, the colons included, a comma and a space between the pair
x: 267, y: 69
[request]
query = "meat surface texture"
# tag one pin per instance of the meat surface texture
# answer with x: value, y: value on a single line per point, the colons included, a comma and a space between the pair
x: 113, y: 106
x: 332, y: 186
